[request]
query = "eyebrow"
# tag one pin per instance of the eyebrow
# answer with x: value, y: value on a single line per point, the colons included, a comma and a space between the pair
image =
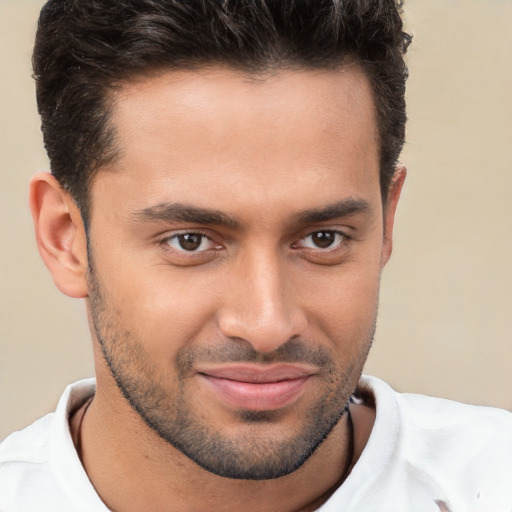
x: 344, y: 208
x: 179, y: 212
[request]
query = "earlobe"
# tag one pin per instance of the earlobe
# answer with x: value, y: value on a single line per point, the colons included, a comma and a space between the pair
x: 60, y: 234
x: 395, y: 189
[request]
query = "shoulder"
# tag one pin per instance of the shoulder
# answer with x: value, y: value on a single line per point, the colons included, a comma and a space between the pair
x: 446, y: 421
x: 39, y: 462
x: 464, y: 450
x: 433, y: 414
x: 24, y: 465
x: 32, y: 442
x: 29, y: 444
x: 457, y: 424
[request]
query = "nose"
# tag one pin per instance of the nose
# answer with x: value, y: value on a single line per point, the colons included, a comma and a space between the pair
x: 261, y: 304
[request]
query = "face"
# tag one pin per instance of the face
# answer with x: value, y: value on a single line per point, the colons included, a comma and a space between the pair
x: 236, y: 246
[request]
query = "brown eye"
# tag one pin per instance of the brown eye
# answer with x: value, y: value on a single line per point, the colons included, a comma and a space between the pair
x: 323, y: 239
x: 327, y: 239
x: 190, y: 242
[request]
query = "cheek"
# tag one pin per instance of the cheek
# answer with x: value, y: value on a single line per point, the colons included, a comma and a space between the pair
x: 345, y: 306
x: 165, y: 309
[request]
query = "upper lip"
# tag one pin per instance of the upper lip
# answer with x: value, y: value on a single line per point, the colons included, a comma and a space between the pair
x: 259, y: 374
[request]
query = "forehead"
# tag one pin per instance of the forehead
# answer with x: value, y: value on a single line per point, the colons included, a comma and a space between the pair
x: 221, y: 100
x: 183, y: 132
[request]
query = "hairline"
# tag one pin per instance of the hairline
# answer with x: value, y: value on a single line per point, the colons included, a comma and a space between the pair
x: 252, y: 73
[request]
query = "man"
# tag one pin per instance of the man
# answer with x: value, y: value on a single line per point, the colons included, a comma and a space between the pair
x: 223, y: 190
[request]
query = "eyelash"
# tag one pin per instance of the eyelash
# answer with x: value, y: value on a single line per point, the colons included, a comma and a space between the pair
x: 343, y: 239
x: 166, y: 242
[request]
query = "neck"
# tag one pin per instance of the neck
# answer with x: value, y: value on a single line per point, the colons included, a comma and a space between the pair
x: 132, y: 468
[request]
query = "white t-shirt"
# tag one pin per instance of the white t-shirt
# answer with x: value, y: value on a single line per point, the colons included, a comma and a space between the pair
x: 424, y: 454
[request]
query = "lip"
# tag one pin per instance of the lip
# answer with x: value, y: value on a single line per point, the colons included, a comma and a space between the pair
x: 257, y: 388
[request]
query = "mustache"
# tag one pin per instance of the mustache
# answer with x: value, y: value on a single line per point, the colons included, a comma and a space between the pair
x: 240, y: 351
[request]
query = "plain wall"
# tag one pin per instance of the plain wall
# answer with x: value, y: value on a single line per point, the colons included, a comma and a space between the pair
x: 445, y: 324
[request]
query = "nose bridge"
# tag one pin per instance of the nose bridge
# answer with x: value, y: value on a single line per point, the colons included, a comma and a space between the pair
x: 262, y: 308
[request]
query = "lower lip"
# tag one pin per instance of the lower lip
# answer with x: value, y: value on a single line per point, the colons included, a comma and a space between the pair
x: 263, y: 396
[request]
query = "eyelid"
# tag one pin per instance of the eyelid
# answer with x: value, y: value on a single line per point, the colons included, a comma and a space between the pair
x: 164, y: 241
x: 345, y: 238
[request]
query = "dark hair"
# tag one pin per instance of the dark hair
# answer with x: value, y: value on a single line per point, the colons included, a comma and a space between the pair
x: 84, y: 48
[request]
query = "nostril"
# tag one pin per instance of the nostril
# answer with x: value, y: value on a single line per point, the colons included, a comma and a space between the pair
x: 265, y: 335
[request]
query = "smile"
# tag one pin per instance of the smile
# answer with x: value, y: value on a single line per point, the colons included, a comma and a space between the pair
x: 255, y: 388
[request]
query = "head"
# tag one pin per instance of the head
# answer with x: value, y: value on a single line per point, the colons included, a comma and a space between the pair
x: 224, y: 195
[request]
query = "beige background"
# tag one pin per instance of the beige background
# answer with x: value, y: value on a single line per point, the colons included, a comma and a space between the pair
x: 446, y: 308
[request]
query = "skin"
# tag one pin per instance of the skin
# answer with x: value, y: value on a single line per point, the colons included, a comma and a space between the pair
x: 281, y: 158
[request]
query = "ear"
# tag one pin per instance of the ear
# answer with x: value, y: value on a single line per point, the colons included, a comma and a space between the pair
x: 60, y: 234
x: 395, y: 188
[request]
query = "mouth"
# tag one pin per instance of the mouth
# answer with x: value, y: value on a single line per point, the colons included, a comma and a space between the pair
x: 257, y: 388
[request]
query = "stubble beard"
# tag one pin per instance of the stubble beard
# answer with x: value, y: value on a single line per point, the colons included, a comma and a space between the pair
x: 163, y: 404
